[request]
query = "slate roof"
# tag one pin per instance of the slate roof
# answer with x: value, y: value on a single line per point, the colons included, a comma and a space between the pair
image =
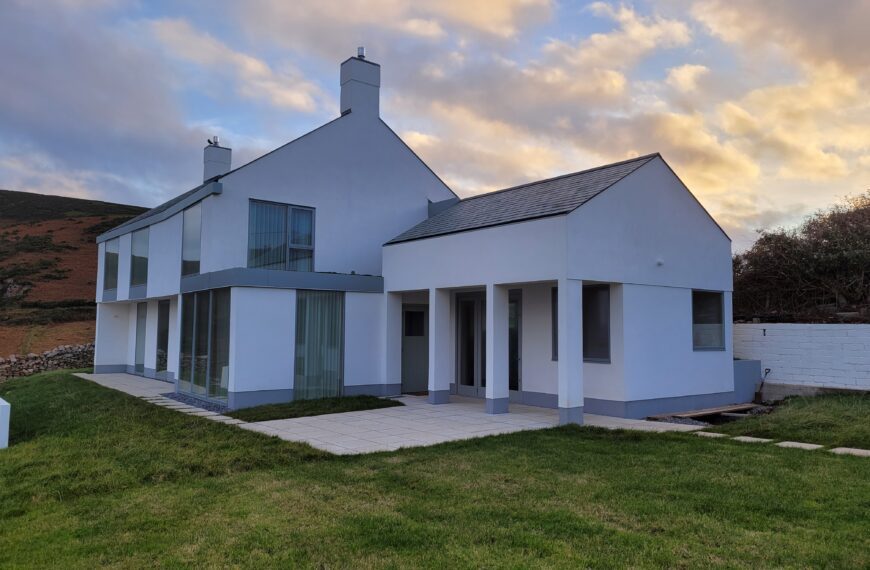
x: 540, y: 199
x: 158, y: 209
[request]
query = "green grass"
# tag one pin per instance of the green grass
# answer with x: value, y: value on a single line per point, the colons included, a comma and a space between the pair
x: 318, y: 407
x: 97, y: 478
x: 837, y: 420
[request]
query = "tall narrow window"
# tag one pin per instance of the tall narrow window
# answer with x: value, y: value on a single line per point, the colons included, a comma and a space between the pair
x: 141, y: 325
x: 596, y: 323
x: 110, y: 265
x: 554, y: 321
x: 205, y: 344
x: 708, y: 331
x: 191, y: 237
x: 139, y: 258
x: 301, y: 239
x: 319, y: 344
x: 267, y: 236
x: 162, y: 334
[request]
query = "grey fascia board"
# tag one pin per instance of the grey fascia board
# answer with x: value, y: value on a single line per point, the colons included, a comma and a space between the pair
x: 279, y: 279
x: 213, y: 187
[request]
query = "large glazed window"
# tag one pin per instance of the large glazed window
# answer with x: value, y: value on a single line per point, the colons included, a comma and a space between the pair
x: 708, y: 331
x: 110, y: 265
x: 319, y: 344
x: 280, y: 237
x: 162, y: 334
x: 139, y: 258
x: 191, y: 240
x: 596, y: 323
x: 205, y: 344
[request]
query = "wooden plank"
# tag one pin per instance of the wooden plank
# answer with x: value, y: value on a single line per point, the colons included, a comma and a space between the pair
x: 708, y: 411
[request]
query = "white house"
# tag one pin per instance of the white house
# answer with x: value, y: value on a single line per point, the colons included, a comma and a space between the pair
x: 340, y: 264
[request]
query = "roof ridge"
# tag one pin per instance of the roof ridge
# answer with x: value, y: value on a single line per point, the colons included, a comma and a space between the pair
x: 534, y: 182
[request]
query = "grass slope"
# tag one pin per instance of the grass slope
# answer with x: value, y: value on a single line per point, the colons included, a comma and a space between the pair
x: 318, y: 407
x: 832, y: 419
x: 97, y: 478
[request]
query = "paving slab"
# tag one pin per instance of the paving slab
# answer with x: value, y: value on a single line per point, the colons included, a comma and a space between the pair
x: 748, y: 439
x: 851, y: 451
x: 710, y: 434
x: 799, y: 445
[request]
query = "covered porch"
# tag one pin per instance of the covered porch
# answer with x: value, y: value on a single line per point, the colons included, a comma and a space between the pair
x: 510, y: 345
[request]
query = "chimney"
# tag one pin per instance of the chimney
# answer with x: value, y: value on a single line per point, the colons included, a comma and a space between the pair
x: 216, y: 159
x: 360, y: 85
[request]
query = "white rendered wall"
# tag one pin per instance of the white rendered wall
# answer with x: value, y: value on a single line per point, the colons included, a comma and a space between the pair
x: 112, y: 332
x: 364, y: 348
x: 131, y: 331
x: 164, y: 257
x: 539, y: 370
x: 366, y: 187
x: 174, y: 346
x: 820, y: 355
x: 620, y: 235
x: 606, y: 380
x: 660, y: 361
x: 151, y: 336
x: 262, y: 333
x: 513, y: 253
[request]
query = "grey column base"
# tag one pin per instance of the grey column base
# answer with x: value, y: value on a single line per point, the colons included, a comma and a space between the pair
x: 110, y: 368
x: 439, y: 396
x: 497, y: 405
x: 373, y: 390
x: 236, y: 400
x: 571, y: 416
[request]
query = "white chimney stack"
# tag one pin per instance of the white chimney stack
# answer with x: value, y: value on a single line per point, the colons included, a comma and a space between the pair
x: 360, y: 85
x: 216, y: 159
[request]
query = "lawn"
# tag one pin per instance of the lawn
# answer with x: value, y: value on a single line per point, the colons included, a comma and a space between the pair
x: 318, y: 407
x: 98, y: 478
x: 837, y: 420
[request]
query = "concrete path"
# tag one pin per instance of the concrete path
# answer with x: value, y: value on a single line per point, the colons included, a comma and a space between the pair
x: 417, y: 423
x: 788, y: 444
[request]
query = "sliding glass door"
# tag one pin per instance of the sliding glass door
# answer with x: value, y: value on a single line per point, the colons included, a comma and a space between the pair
x: 205, y: 344
x: 319, y: 344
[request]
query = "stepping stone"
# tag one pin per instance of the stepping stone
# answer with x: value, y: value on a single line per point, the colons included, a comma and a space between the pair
x: 710, y: 434
x: 747, y: 439
x: 799, y: 445
x: 851, y: 451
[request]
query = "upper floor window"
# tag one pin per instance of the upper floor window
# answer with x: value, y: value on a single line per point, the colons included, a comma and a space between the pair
x: 139, y: 258
x: 110, y: 264
x: 708, y: 331
x: 280, y: 236
x: 191, y: 240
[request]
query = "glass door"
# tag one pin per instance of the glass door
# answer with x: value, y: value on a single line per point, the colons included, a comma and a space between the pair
x: 471, y: 344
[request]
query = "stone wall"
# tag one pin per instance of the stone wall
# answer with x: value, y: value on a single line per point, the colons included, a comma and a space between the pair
x: 66, y: 356
x: 811, y: 355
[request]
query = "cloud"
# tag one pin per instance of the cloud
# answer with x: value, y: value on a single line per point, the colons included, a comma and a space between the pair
x: 684, y: 78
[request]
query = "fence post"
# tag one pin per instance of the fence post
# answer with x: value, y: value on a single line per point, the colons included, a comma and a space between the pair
x: 5, y: 412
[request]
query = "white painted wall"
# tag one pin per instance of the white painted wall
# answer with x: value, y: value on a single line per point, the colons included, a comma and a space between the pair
x: 539, y: 370
x: 821, y: 355
x: 660, y: 361
x: 174, y: 336
x: 262, y: 333
x: 513, y: 253
x: 365, y: 185
x: 131, y: 330
x: 164, y: 257
x: 113, y: 330
x: 151, y: 336
x: 606, y: 381
x: 364, y: 321
x: 621, y: 234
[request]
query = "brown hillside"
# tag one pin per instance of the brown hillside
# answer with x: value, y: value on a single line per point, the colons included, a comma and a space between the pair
x: 48, y: 265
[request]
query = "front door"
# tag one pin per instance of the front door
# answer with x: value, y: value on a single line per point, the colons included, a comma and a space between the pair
x: 471, y: 344
x: 415, y: 348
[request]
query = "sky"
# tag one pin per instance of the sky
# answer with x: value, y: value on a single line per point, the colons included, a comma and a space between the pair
x: 761, y: 108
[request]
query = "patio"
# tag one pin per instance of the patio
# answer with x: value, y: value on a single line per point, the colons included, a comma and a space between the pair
x: 417, y: 423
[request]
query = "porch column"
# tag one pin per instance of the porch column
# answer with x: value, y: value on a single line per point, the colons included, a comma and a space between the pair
x: 496, y: 349
x: 393, y: 341
x: 570, y: 332
x: 440, y: 362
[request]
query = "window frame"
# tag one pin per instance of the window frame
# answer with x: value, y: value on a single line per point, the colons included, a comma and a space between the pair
x: 288, y: 231
x: 721, y: 295
x: 604, y: 287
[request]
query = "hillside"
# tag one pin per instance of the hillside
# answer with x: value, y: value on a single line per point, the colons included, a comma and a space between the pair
x: 48, y: 265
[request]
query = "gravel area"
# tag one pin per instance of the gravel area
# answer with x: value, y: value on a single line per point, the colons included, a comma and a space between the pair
x: 191, y: 401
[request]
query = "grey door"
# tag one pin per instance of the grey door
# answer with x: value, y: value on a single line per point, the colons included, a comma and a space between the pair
x: 471, y: 344
x: 415, y: 348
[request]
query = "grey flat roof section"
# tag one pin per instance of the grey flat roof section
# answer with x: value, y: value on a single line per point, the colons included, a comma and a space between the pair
x: 540, y: 199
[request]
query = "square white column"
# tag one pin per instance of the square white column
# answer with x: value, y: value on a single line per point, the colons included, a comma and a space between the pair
x: 570, y: 325
x: 393, y: 341
x: 440, y: 361
x: 496, y: 349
